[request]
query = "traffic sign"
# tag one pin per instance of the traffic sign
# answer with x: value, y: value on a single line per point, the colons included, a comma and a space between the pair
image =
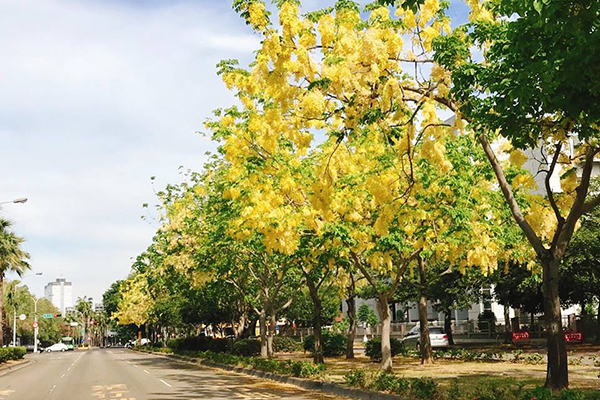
x: 22, y: 317
x: 35, y: 325
x: 47, y: 315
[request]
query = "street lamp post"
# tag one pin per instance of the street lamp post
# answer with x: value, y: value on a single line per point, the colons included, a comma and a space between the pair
x: 35, y: 329
x: 14, y: 341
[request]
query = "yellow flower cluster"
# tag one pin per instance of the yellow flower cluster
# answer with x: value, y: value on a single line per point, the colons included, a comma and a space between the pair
x: 258, y: 16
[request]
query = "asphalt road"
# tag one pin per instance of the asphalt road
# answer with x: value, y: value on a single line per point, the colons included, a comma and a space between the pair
x: 117, y: 374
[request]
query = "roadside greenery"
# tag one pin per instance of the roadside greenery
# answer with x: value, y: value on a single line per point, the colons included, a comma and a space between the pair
x: 11, y: 353
x: 427, y: 389
x: 300, y: 369
x: 340, y: 173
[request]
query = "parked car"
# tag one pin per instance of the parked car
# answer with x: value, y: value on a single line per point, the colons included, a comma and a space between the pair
x: 30, y: 347
x: 57, y: 347
x: 437, y: 337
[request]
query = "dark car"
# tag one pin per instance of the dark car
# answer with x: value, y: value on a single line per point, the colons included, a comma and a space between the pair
x: 29, y: 348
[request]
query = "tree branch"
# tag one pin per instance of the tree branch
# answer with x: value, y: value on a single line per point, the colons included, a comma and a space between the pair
x: 578, y: 205
x: 550, y: 194
x: 532, y: 237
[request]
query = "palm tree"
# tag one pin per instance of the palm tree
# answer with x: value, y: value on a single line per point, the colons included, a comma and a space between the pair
x: 84, y: 306
x: 12, y: 259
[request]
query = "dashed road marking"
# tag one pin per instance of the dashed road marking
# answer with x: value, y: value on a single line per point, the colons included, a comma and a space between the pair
x: 63, y: 375
x: 165, y: 383
x: 5, y: 393
x: 53, y: 387
x: 146, y: 372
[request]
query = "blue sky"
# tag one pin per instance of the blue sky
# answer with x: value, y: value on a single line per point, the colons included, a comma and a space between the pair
x: 96, y: 97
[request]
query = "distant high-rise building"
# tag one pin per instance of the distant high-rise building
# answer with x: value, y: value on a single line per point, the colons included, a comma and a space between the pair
x: 60, y: 293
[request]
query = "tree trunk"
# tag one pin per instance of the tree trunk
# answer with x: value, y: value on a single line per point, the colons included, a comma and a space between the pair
x: 507, y: 325
x: 241, y: 326
x: 1, y: 309
x: 262, y: 320
x: 249, y: 328
x: 352, y: 328
x: 317, y: 308
x: 270, y: 352
x: 598, y: 322
x: 448, y: 327
x: 557, y: 372
x: 424, y: 341
x: 383, y: 309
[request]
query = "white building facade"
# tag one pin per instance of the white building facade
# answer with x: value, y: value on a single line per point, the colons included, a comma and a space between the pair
x: 60, y: 294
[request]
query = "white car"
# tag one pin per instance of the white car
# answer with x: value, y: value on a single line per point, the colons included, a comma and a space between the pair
x: 57, y: 347
x: 437, y: 337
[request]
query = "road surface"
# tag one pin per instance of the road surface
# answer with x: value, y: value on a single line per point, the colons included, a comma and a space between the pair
x: 118, y: 374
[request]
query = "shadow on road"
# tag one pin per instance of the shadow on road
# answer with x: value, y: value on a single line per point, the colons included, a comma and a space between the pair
x: 198, y: 382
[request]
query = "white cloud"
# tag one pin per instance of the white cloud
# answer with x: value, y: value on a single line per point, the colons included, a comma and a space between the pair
x: 96, y: 97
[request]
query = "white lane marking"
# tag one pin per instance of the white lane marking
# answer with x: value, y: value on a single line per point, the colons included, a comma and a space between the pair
x: 146, y: 372
x: 52, y: 388
x: 63, y: 375
x: 165, y: 383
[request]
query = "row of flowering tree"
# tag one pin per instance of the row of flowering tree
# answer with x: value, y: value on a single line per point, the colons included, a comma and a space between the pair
x: 367, y: 144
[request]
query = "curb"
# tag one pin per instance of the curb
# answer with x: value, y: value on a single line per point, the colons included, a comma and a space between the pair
x: 15, y: 367
x: 324, y: 387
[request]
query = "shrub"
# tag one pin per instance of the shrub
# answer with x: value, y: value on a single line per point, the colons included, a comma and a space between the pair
x: 220, y: 345
x: 356, y: 378
x: 11, y: 353
x: 373, y: 348
x: 286, y: 344
x: 575, y: 360
x: 303, y: 369
x: 423, y: 388
x: 195, y: 343
x: 517, y: 355
x: 334, y: 344
x: 388, y: 382
x: 246, y: 347
x: 174, y: 344
x: 533, y: 358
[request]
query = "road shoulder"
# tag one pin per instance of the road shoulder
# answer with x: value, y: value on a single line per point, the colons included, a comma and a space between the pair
x: 12, y: 366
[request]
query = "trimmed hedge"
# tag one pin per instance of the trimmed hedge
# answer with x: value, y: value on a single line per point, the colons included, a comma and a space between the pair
x: 286, y: 344
x: 194, y: 343
x: 11, y: 353
x: 246, y: 347
x: 334, y: 344
x: 220, y: 345
x: 373, y: 348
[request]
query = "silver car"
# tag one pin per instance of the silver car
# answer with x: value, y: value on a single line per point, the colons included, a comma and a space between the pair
x: 437, y: 337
